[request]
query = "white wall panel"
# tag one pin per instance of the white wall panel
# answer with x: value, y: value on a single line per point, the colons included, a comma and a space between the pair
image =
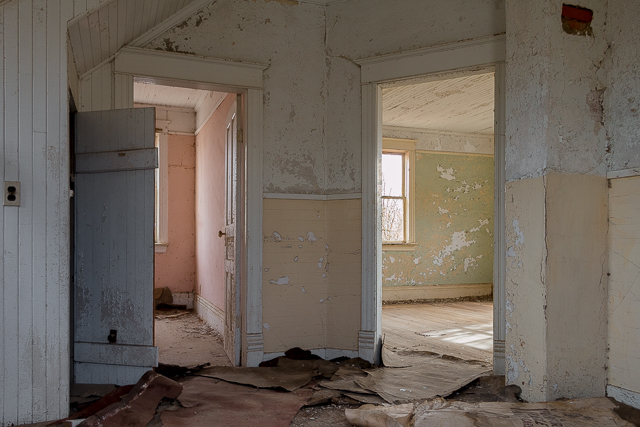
x: 34, y: 237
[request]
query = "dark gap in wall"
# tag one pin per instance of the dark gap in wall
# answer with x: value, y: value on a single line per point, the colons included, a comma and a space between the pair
x: 576, y: 20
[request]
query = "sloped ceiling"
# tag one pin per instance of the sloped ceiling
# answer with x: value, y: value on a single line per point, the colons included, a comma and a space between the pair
x: 99, y: 34
x: 463, y: 104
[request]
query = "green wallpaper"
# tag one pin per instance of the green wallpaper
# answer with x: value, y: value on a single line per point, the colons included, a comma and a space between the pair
x: 454, y: 224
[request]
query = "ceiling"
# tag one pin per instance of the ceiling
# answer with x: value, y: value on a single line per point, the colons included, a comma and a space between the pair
x: 99, y: 34
x: 168, y: 96
x: 462, y: 104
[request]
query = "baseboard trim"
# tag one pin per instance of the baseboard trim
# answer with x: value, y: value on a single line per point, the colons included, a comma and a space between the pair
x: 628, y: 397
x: 325, y: 353
x: 409, y: 293
x: 183, y: 298
x: 211, y: 314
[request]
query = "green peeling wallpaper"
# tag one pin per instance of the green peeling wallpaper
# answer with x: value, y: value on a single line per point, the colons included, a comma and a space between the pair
x: 454, y: 224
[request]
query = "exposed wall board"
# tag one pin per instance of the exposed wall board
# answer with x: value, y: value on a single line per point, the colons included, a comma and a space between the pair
x: 291, y: 40
x: 554, y: 89
x: 311, y: 277
x: 526, y: 329
x: 622, y: 94
x: 624, y: 285
x: 428, y: 140
x: 576, y: 221
x: 176, y: 268
x: 34, y: 267
x: 210, y: 207
x: 556, y: 293
x: 454, y: 224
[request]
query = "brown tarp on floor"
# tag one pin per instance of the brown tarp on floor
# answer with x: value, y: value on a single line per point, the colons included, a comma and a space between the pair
x: 440, y: 413
x: 209, y: 402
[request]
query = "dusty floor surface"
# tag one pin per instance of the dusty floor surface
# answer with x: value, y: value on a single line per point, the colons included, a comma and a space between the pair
x: 185, y: 340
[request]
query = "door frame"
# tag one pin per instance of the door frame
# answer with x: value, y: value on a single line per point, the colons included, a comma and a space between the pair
x: 224, y: 76
x: 375, y: 72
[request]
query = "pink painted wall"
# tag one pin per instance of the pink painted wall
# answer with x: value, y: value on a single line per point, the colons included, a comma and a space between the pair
x: 176, y: 269
x: 210, y: 205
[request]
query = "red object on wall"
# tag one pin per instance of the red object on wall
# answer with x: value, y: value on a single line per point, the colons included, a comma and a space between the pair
x: 577, y: 13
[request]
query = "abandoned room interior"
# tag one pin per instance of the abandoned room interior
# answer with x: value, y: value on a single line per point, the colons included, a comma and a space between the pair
x: 300, y: 172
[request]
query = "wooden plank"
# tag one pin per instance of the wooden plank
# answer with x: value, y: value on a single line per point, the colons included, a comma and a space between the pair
x: 130, y: 21
x: 137, y: 18
x: 114, y: 354
x: 10, y: 255
x: 87, y: 45
x: 25, y: 224
x: 145, y: 23
x: 126, y: 160
x: 3, y: 385
x: 103, y: 32
x: 122, y: 22
x: 113, y: 27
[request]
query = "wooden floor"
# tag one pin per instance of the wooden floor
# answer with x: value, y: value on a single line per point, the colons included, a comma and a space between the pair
x: 461, y: 329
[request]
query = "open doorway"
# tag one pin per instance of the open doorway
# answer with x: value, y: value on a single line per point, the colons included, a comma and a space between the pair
x: 197, y: 187
x: 437, y: 214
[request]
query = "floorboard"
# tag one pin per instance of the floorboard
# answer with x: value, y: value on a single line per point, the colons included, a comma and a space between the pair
x: 460, y: 329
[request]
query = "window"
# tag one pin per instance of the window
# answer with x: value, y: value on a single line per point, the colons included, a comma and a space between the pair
x: 397, y: 194
x: 161, y: 231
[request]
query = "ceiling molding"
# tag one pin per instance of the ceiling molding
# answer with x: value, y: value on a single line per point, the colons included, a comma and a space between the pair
x: 436, y: 59
x: 169, y: 23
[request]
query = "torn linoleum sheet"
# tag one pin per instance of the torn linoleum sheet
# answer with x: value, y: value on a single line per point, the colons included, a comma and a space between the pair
x: 417, y: 377
x: 440, y: 413
x: 273, y: 377
x: 207, y: 402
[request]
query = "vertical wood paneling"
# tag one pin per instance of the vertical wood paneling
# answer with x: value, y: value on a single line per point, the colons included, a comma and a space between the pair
x: 25, y: 255
x: 103, y: 24
x: 122, y: 21
x: 146, y: 16
x: 3, y: 325
x: 113, y: 26
x: 11, y: 237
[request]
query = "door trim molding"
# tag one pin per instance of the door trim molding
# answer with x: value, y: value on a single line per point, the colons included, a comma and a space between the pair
x: 469, y: 55
x: 234, y: 77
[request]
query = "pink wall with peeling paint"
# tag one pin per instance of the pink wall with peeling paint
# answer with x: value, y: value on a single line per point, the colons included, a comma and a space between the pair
x: 210, y: 205
x: 176, y: 269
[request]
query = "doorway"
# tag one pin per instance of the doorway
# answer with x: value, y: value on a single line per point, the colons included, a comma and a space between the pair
x: 437, y: 208
x: 197, y: 189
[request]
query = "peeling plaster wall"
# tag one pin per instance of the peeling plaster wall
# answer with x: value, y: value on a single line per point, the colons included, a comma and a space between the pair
x: 556, y: 203
x: 311, y: 274
x: 383, y: 27
x: 176, y: 268
x: 210, y: 206
x: 554, y: 85
x: 451, y: 142
x: 454, y: 224
x: 290, y: 39
x: 622, y: 95
x: 624, y: 286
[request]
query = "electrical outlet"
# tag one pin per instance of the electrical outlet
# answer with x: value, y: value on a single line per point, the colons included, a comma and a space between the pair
x: 11, y: 193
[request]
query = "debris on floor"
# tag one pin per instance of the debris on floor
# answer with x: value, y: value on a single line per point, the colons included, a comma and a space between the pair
x: 137, y: 407
x: 185, y: 340
x: 209, y: 402
x: 162, y: 297
x: 598, y: 412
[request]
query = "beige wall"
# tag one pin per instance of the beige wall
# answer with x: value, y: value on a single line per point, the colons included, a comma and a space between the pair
x: 210, y: 205
x: 176, y: 268
x: 624, y: 289
x: 312, y: 274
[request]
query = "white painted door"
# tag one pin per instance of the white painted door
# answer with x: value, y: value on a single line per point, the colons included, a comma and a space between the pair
x: 115, y: 161
x: 232, y: 294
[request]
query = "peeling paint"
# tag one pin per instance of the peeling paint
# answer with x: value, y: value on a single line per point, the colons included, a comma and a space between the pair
x: 311, y: 237
x: 284, y: 280
x: 446, y: 174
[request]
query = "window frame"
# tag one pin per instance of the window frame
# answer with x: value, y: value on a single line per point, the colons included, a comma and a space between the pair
x: 161, y: 229
x: 406, y: 147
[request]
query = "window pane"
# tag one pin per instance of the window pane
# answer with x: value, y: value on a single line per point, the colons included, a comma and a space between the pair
x: 392, y: 172
x: 392, y: 220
